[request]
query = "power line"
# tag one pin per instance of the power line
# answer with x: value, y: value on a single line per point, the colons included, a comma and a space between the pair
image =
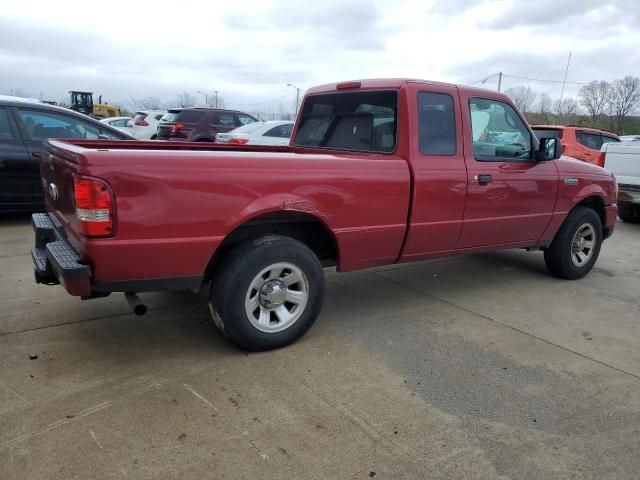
x: 526, y: 78
x: 545, y: 80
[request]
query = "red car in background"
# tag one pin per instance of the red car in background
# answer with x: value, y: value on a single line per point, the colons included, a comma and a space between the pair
x: 582, y: 143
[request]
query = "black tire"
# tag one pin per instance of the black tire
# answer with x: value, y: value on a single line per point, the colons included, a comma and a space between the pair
x: 559, y: 256
x: 629, y: 212
x: 231, y: 284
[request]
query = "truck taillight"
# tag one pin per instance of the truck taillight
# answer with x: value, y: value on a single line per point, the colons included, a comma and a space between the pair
x: 176, y: 128
x: 94, y: 207
x: 238, y: 141
x: 600, y: 160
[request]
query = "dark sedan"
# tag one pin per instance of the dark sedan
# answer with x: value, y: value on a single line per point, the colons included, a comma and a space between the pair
x: 23, y: 126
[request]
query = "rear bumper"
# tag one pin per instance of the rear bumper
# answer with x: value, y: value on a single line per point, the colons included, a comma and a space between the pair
x: 611, y: 214
x: 55, y: 261
x: 629, y: 194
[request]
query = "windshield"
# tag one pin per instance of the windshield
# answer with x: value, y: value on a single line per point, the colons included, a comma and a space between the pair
x: 355, y: 121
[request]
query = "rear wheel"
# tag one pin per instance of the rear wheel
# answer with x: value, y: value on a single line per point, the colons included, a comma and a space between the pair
x: 576, y: 246
x: 267, y: 293
x: 628, y: 212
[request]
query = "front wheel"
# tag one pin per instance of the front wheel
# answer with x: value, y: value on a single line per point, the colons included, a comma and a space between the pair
x: 576, y: 246
x: 267, y: 293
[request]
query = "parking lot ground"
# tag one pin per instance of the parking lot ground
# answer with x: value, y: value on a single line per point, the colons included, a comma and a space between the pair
x: 475, y: 367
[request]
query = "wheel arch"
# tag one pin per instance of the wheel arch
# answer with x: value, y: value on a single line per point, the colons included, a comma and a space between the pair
x: 305, y: 227
x: 595, y: 203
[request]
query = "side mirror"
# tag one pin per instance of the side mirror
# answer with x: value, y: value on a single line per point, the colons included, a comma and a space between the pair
x: 549, y: 149
x: 102, y: 136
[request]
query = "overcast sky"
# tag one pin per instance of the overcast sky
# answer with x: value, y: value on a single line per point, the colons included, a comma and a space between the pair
x: 249, y: 50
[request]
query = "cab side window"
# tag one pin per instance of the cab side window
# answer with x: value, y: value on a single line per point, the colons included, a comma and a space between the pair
x: 41, y: 125
x: 437, y: 124
x: 499, y: 134
x: 589, y: 140
x: 6, y: 133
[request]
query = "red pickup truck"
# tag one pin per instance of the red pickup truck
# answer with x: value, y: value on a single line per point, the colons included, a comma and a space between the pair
x: 377, y: 172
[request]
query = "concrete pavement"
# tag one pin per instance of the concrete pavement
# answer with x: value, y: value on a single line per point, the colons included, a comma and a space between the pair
x: 476, y: 367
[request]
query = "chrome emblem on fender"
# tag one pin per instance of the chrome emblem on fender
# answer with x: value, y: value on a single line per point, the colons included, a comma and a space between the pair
x: 54, y: 193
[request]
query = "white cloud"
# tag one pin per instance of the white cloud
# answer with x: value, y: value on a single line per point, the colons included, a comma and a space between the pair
x: 250, y: 50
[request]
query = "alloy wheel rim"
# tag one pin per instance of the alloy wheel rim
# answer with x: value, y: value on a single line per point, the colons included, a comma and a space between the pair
x: 277, y: 297
x: 583, y: 244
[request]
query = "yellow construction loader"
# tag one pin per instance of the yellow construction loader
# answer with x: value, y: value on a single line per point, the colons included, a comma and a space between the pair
x: 83, y: 102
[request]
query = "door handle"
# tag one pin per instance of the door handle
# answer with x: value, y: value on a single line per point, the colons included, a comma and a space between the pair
x: 35, y: 154
x: 483, y: 179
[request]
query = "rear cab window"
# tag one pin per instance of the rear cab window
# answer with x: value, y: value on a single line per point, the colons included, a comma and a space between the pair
x: 351, y: 121
x: 499, y: 134
x: 436, y: 124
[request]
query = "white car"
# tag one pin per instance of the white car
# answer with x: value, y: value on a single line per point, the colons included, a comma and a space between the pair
x: 117, y: 122
x: 274, y: 132
x: 623, y: 160
x: 144, y: 125
x: 629, y: 138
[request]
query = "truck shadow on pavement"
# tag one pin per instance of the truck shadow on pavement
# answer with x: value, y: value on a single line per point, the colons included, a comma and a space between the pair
x: 179, y: 322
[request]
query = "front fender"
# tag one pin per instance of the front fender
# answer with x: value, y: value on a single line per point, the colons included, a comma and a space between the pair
x: 576, y: 191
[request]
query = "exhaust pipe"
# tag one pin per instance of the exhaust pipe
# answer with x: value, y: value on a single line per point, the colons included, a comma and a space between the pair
x: 135, y: 303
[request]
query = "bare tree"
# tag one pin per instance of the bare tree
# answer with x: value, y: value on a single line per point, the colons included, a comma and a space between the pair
x: 625, y: 97
x: 545, y: 107
x: 185, y: 99
x: 595, y: 97
x: 523, y: 97
x: 216, y: 101
x: 146, y: 103
x: 16, y: 92
x: 567, y: 110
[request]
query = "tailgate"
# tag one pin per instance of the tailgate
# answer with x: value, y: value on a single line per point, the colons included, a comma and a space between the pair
x: 57, y: 167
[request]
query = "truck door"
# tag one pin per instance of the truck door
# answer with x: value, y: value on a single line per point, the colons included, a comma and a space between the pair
x: 15, y: 175
x: 439, y: 172
x: 510, y: 196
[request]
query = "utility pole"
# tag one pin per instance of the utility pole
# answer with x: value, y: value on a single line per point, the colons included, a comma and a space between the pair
x: 499, y: 75
x: 206, y: 98
x: 297, y: 95
x: 216, y: 98
x: 564, y: 82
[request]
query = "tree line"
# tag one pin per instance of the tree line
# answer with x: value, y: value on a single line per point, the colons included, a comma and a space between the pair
x: 599, y: 104
x: 182, y: 100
